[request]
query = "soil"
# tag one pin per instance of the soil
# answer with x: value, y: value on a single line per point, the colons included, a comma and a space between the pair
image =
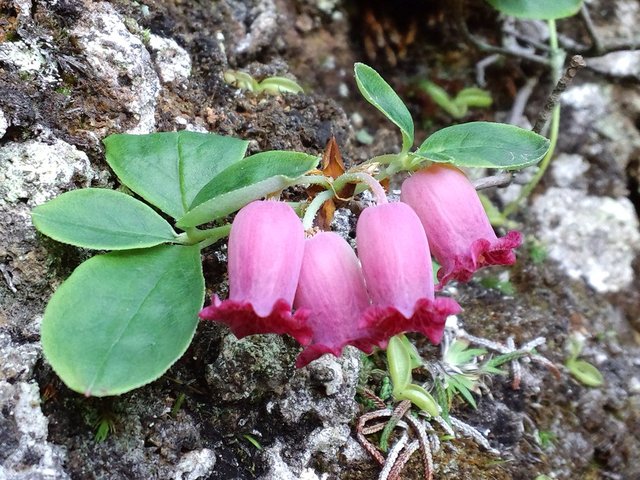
x: 239, y: 410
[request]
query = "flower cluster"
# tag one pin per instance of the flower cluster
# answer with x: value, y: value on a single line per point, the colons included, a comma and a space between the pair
x: 318, y: 291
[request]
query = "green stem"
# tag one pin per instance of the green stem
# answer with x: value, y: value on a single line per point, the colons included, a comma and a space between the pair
x: 528, y: 188
x: 314, y: 206
x: 211, y: 235
x: 314, y: 180
x: 361, y: 177
x: 556, y: 55
x: 384, y: 159
x: 557, y: 60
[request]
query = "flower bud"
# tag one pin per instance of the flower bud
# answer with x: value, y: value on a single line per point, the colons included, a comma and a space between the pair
x: 396, y: 263
x: 266, y: 245
x: 460, y: 235
x: 332, y: 289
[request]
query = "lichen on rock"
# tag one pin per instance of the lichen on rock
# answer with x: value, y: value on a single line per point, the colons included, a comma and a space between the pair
x: 592, y: 238
x: 120, y: 60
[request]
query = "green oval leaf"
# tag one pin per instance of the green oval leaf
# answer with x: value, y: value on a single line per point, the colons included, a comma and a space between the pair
x: 585, y: 373
x: 101, y: 219
x: 168, y: 169
x: 485, y: 145
x: 399, y: 364
x: 122, y: 319
x: 414, y: 355
x: 245, y: 181
x: 380, y: 94
x: 537, y: 9
x: 420, y: 398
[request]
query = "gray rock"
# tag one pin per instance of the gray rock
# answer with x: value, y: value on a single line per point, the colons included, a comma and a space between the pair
x: 354, y: 452
x: 592, y: 238
x: 281, y: 470
x: 26, y: 454
x: 618, y: 64
x: 17, y: 360
x: 596, y: 125
x: 172, y: 61
x: 34, y: 172
x: 3, y: 124
x: 326, y: 442
x: 115, y: 55
x: 30, y: 60
x: 30, y: 174
x: 263, y: 30
x: 196, y: 464
x: 335, y: 403
x: 250, y: 368
x: 21, y: 56
x: 622, y: 24
x: 325, y: 389
x: 568, y: 170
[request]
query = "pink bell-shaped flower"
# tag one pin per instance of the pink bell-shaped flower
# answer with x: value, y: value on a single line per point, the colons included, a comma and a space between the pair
x: 266, y: 245
x: 396, y: 263
x: 460, y: 235
x: 332, y: 289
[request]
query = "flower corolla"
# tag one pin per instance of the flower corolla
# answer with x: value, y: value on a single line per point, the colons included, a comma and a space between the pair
x: 266, y: 246
x: 459, y: 232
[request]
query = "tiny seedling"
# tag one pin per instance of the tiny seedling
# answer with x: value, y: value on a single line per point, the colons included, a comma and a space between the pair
x: 459, y: 105
x: 581, y: 370
x: 252, y: 440
x: 270, y: 85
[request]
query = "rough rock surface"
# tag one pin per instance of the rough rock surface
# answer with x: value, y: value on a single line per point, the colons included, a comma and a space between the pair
x: 26, y: 453
x: 592, y: 238
x: 119, y: 60
x: 74, y: 71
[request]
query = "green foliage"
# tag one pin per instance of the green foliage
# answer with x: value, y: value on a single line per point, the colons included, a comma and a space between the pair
x: 538, y: 9
x: 484, y: 145
x: 102, y: 219
x: 386, y: 389
x: 270, y: 85
x: 582, y: 370
x: 252, y: 178
x: 252, y: 440
x: 459, y: 354
x: 104, y: 426
x: 458, y: 106
x: 121, y: 319
x: 169, y: 169
x: 463, y: 371
x: 178, y: 404
x: 545, y: 438
x: 400, y: 363
x: 496, y: 283
x: 537, y: 251
x: 379, y: 94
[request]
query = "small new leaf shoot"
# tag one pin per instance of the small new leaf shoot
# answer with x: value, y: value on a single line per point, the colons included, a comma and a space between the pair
x: 584, y: 372
x: 270, y: 85
x: 458, y: 106
x: 252, y: 440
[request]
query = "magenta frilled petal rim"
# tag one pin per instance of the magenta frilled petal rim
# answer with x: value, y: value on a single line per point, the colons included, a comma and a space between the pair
x: 482, y: 253
x: 429, y: 317
x: 316, y: 350
x: 241, y: 318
